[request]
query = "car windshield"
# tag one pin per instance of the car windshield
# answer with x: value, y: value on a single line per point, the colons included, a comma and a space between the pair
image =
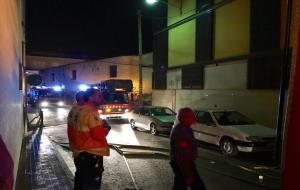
x: 162, y: 111
x: 49, y: 93
x: 231, y: 118
x: 121, y: 98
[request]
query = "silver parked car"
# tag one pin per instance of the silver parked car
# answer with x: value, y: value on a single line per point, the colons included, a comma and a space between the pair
x: 153, y: 118
x: 232, y: 132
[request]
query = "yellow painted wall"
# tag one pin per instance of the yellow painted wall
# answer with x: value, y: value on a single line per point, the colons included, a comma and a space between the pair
x: 232, y: 29
x: 181, y: 39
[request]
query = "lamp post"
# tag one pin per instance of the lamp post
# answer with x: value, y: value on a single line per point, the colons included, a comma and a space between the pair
x: 139, y: 13
x: 140, y: 46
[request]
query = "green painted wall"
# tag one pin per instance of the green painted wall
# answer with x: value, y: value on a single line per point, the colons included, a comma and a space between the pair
x: 181, y: 39
x: 232, y: 26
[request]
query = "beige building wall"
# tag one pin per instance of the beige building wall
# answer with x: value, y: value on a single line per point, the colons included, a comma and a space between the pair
x: 43, y: 62
x: 225, y: 86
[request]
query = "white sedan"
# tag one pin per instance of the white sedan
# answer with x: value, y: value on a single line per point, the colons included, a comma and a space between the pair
x: 232, y: 132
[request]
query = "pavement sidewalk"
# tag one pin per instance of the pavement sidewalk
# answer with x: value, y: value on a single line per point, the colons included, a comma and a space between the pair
x: 40, y: 167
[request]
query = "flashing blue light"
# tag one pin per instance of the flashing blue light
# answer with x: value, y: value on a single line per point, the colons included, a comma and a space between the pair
x: 57, y: 88
x: 83, y: 87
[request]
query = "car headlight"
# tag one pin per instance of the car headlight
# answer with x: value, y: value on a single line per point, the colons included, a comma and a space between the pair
x: 100, y: 111
x: 44, y: 104
x: 61, y: 103
x: 253, y: 138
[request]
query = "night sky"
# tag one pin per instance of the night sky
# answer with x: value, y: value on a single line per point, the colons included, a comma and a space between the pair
x: 89, y: 29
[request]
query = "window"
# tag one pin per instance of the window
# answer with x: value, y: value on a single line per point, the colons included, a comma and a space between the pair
x: 204, y: 118
x: 74, y: 75
x: 53, y: 77
x: 112, y: 71
x: 232, y: 118
x: 192, y: 77
x: 162, y: 111
x: 159, y: 80
x: 21, y: 70
x: 137, y: 110
x: 145, y: 111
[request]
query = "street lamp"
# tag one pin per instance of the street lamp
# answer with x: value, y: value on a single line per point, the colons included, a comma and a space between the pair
x: 140, y: 44
x: 139, y: 13
x: 152, y: 2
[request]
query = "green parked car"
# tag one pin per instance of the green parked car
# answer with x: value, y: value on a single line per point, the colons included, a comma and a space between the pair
x: 153, y: 118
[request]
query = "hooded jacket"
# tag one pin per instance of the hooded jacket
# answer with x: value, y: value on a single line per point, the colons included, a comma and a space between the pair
x: 183, y: 150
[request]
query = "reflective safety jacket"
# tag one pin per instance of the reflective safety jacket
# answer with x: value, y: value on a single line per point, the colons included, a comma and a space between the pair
x: 86, y: 132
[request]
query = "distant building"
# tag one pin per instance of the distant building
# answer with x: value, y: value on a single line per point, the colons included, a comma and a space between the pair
x: 80, y: 72
x: 39, y: 62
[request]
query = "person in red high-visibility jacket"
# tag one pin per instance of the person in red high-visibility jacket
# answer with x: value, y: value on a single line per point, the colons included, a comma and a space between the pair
x: 183, y: 152
x: 87, y: 135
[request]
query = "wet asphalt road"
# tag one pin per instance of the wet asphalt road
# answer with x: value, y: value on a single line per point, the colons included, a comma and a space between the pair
x: 146, y: 165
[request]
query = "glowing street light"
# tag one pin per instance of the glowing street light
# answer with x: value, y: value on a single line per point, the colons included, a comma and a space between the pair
x: 151, y: 2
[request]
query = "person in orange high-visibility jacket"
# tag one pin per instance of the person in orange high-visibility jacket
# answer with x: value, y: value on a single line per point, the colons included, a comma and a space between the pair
x: 73, y: 115
x: 183, y: 152
x: 88, y: 139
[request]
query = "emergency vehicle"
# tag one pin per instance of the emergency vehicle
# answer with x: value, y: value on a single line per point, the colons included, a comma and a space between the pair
x: 43, y: 96
x: 117, y: 101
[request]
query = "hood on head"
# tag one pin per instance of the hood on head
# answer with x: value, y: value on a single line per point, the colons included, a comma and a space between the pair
x: 186, y: 117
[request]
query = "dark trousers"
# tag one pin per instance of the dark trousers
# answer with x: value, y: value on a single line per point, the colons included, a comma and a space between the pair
x: 180, y: 180
x: 89, y: 169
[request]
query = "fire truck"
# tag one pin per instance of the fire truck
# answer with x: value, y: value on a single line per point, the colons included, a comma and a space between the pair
x: 117, y: 99
x: 44, y: 97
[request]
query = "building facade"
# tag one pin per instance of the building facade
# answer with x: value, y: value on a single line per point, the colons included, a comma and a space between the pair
x: 228, y: 56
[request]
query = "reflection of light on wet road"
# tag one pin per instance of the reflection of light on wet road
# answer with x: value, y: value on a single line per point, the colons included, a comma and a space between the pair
x: 62, y: 113
x: 57, y: 112
x: 46, y: 112
x: 55, y: 116
x: 122, y: 134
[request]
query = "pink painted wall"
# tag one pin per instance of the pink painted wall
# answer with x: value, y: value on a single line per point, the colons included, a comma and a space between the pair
x: 11, y: 97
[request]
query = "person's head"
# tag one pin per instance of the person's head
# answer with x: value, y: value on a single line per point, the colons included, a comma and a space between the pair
x: 93, y: 96
x: 80, y: 98
x: 186, y: 117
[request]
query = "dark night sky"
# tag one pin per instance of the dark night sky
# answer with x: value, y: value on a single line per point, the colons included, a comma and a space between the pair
x: 86, y: 28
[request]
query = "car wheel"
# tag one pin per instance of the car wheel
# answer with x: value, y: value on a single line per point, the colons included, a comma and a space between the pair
x: 153, y: 129
x: 132, y: 124
x: 228, y: 147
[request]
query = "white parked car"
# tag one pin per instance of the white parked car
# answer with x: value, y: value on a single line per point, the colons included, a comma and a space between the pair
x: 232, y: 132
x: 153, y: 118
